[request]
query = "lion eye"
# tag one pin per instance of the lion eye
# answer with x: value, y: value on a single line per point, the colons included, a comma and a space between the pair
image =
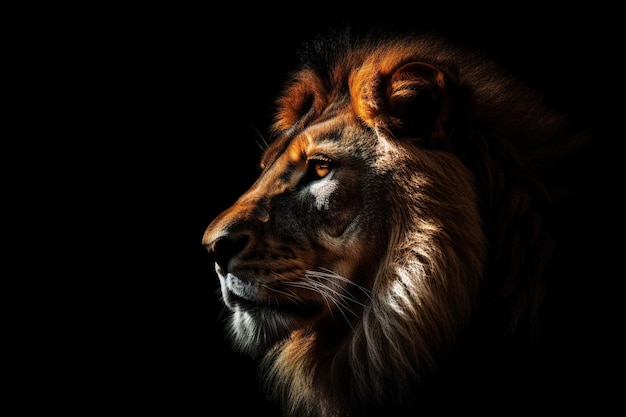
x: 319, y: 167
x: 322, y: 169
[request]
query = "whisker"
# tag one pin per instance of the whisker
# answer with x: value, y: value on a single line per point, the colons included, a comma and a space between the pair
x: 340, y: 294
x: 308, y: 286
x: 322, y: 289
x: 290, y: 295
x: 220, y: 316
x: 329, y: 276
x: 263, y: 143
x: 319, y: 280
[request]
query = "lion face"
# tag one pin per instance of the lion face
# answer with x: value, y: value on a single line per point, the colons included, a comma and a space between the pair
x: 396, y: 199
x: 343, y: 203
x: 303, y: 244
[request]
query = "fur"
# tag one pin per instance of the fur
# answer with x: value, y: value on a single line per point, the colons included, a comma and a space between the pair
x: 402, y: 226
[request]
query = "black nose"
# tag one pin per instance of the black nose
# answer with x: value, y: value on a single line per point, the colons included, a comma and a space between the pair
x: 224, y: 248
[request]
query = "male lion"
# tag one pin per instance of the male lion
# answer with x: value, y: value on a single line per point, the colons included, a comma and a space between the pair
x: 392, y: 256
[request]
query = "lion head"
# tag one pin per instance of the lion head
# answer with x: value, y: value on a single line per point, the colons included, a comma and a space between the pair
x: 402, y: 204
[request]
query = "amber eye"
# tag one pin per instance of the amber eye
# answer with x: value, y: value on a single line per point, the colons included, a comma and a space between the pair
x: 319, y: 167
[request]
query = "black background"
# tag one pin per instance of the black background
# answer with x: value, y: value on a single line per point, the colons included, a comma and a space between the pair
x: 161, y: 129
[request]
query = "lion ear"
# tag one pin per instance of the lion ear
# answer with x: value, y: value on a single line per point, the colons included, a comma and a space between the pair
x: 302, y: 99
x: 412, y: 101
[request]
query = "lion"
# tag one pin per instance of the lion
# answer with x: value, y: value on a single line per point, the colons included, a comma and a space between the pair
x: 401, y: 230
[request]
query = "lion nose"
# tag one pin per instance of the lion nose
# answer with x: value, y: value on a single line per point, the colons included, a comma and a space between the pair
x: 224, y: 248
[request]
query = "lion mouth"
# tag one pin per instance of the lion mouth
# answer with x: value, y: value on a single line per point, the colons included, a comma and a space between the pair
x: 307, y: 309
x: 247, y: 296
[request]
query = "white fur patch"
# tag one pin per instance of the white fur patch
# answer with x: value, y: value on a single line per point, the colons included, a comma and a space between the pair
x: 322, y: 191
x: 243, y: 289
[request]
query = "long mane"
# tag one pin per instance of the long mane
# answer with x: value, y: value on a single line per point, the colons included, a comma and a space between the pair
x: 440, y: 275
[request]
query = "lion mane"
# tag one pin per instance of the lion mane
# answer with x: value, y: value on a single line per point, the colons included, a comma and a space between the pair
x: 428, y: 244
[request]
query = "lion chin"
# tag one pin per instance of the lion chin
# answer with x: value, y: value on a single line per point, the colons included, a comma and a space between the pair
x: 392, y: 257
x: 256, y: 324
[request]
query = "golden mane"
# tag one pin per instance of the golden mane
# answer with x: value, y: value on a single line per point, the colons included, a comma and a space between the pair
x: 467, y: 192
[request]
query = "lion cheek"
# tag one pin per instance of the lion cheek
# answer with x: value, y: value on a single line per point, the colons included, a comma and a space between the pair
x: 326, y: 199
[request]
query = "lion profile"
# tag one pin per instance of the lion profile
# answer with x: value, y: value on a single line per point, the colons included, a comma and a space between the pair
x: 402, y: 226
